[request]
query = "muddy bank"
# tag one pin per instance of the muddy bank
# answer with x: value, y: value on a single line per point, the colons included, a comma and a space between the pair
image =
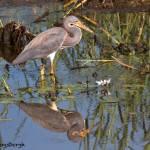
x: 14, y: 34
x: 24, y: 2
x: 120, y: 5
x: 13, y: 38
x: 99, y: 5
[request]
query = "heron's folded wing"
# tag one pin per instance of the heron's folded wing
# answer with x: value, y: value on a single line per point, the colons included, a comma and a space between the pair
x: 43, y: 44
x: 45, y: 116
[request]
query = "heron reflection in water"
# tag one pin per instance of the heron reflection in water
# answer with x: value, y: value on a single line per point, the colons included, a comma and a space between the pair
x: 54, y: 119
x: 47, y: 43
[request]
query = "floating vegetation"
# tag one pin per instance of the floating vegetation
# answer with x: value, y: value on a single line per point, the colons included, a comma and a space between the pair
x: 6, y: 119
x: 7, y: 87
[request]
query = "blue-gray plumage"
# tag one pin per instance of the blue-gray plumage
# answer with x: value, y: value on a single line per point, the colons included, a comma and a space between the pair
x: 47, y: 43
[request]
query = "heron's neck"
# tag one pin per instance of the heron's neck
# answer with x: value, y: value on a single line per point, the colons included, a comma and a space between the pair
x: 73, y: 38
x: 75, y: 118
x: 77, y: 124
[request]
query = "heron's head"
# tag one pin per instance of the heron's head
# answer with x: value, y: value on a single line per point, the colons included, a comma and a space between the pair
x: 72, y: 21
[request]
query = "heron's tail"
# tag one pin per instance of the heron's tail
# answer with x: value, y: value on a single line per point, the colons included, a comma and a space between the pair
x: 22, y: 57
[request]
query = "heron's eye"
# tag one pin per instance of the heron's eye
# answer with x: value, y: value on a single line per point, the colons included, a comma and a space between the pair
x: 71, y: 24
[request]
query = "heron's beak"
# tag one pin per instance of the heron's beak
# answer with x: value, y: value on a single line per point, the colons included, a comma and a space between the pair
x: 80, y: 25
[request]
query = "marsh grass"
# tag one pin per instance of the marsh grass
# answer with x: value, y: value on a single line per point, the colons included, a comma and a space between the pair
x: 1, y: 24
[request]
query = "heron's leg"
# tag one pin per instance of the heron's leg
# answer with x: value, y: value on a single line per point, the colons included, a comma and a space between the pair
x: 52, y: 67
x: 52, y: 56
x: 52, y: 72
x: 42, y: 70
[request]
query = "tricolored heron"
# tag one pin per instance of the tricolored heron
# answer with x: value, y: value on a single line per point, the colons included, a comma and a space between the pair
x: 47, y: 43
x: 55, y: 119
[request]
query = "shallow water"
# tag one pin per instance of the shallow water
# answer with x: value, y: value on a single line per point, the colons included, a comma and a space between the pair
x: 122, y: 107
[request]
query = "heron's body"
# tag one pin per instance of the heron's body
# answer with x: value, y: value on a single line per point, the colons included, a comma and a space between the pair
x: 56, y: 120
x: 47, y: 43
